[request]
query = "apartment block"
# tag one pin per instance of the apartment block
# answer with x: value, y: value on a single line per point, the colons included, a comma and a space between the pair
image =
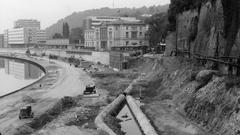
x: 26, y: 33
x: 22, y: 37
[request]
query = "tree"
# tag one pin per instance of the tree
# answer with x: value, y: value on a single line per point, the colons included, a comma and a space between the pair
x: 158, y: 27
x: 76, y: 35
x: 57, y: 35
x: 65, y: 30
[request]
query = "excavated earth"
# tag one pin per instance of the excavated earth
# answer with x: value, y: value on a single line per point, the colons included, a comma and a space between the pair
x: 182, y: 97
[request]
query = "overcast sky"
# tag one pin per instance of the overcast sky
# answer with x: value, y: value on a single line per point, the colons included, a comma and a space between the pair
x: 49, y: 11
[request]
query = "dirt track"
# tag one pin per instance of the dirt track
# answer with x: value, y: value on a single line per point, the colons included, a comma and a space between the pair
x: 61, y: 81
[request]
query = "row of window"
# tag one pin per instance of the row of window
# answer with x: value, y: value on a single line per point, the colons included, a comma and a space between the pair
x: 129, y: 27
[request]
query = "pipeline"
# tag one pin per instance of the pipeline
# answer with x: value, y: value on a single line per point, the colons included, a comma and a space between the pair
x: 114, y: 108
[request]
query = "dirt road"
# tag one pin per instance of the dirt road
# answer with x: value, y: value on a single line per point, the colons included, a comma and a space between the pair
x: 61, y: 80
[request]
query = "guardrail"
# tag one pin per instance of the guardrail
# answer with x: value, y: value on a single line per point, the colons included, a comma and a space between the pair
x: 229, y: 61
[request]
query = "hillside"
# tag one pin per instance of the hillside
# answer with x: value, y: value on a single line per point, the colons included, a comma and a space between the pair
x: 76, y: 19
x: 210, y: 28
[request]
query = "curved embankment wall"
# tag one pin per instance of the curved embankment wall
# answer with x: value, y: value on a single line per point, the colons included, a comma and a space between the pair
x: 29, y: 61
x: 114, y: 108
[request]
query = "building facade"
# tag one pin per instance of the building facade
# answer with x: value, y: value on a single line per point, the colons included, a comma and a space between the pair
x: 5, y: 38
x: 41, y: 36
x: 24, y: 23
x: 125, y: 34
x: 106, y: 33
x: 22, y: 37
x: 26, y: 33
x: 89, y: 36
x: 1, y: 40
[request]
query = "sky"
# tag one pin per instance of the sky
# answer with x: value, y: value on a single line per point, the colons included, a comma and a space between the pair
x: 49, y: 12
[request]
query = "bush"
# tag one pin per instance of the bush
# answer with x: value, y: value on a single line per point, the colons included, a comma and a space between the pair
x: 49, y: 115
x: 23, y: 130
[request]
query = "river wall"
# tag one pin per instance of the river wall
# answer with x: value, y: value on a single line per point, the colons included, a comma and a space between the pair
x: 41, y: 66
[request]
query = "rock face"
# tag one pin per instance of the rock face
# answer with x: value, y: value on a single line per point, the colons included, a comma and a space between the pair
x: 216, y: 107
x: 203, y: 31
x: 205, y: 75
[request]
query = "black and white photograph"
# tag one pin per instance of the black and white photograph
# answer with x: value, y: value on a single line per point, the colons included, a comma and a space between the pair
x: 119, y: 67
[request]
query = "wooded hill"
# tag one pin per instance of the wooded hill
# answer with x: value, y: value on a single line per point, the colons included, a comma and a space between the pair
x: 76, y: 19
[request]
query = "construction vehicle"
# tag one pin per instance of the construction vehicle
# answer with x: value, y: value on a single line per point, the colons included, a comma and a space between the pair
x: 90, y: 89
x: 26, y: 112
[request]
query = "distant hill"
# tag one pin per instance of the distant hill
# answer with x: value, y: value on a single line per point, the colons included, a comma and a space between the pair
x: 76, y: 19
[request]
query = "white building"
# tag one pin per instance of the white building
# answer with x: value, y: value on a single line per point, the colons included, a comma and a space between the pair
x: 41, y: 36
x: 26, y: 23
x: 118, y: 34
x: 5, y: 38
x: 89, y: 36
x: 24, y: 34
x: 96, y: 21
x: 22, y: 37
x: 126, y: 34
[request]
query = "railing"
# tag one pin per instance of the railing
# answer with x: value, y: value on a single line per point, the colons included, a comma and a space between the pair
x: 229, y: 61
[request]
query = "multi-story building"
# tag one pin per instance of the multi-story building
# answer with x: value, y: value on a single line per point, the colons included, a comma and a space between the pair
x: 41, y: 36
x: 22, y: 37
x: 26, y: 23
x: 5, y: 38
x: 101, y: 38
x: 24, y: 34
x: 1, y: 40
x: 126, y: 34
x: 107, y: 32
x: 89, y: 36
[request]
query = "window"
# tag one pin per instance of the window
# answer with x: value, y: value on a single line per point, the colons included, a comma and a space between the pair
x: 110, y: 35
x: 140, y: 33
x: 127, y: 42
x: 140, y: 43
x: 126, y: 27
x: 127, y: 35
x: 134, y: 35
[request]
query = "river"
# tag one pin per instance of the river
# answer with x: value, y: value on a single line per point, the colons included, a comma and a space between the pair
x: 16, y: 74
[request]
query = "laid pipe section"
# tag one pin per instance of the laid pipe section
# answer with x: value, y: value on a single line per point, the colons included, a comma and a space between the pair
x: 140, y: 117
x: 112, y: 109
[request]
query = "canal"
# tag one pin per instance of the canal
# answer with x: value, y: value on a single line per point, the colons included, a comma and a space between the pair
x: 16, y: 74
x: 128, y: 124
